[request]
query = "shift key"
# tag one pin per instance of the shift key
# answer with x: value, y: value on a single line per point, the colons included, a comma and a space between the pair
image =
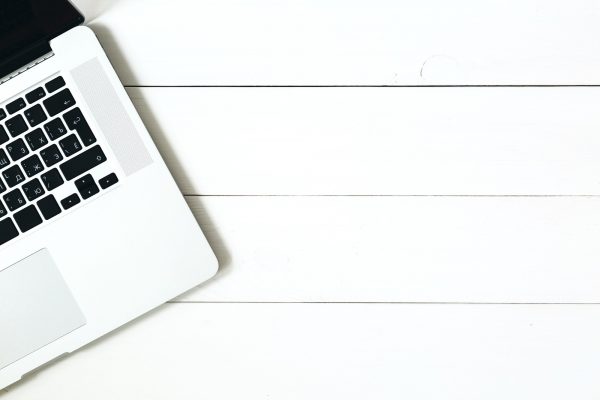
x: 83, y: 162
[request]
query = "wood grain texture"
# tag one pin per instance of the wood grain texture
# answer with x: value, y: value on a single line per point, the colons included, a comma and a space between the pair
x: 375, y: 141
x: 356, y: 42
x: 336, y: 351
x: 401, y: 249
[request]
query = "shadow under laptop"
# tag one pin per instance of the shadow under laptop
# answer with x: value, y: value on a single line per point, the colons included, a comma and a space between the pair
x: 93, y: 8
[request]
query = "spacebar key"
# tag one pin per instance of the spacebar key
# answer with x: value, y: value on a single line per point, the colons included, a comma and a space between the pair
x: 83, y: 162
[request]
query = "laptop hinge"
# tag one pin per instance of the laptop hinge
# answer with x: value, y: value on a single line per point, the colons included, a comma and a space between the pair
x: 24, y: 60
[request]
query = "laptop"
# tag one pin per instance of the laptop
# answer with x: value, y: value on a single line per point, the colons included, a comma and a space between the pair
x: 93, y: 229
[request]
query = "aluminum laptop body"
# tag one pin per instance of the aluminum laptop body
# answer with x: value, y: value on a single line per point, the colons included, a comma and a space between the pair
x: 114, y: 240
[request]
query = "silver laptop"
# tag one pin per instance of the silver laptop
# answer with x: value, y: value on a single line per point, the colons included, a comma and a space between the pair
x: 93, y: 230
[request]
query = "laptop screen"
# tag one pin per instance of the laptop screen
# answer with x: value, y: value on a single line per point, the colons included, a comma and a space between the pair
x: 28, y: 23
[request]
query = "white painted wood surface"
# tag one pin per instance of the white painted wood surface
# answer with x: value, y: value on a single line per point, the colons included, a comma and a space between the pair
x: 337, y: 351
x: 334, y: 42
x: 519, y: 163
x: 402, y: 249
x: 377, y: 141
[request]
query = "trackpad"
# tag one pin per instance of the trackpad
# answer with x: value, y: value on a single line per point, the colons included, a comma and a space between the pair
x: 36, y: 307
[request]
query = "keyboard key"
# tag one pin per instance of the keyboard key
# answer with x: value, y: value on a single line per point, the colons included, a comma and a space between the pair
x: 51, y: 155
x: 108, y: 181
x: 28, y: 218
x: 3, y: 135
x: 2, y: 187
x: 35, y: 95
x: 86, y: 186
x: 76, y: 121
x: 59, y: 102
x: 32, y: 165
x: 35, y: 115
x: 33, y: 189
x: 3, y: 210
x: 52, y: 179
x: 49, y: 207
x: 82, y: 162
x: 13, y: 176
x: 17, y: 149
x: 70, y: 145
x: 55, y: 84
x: 8, y: 231
x: 14, y: 200
x: 4, y: 161
x: 55, y: 129
x: 2, y: 114
x: 16, y: 125
x: 70, y: 201
x: 36, y: 139
x: 16, y: 105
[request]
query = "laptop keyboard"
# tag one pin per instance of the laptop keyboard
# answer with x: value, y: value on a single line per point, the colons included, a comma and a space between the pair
x: 46, y: 148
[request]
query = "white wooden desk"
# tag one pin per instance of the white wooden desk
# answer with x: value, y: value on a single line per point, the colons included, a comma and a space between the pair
x: 404, y: 197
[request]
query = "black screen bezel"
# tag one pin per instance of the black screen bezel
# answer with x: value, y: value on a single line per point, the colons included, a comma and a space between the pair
x: 50, y: 18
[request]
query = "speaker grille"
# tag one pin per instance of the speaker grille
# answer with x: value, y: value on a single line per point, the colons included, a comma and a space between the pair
x: 111, y: 116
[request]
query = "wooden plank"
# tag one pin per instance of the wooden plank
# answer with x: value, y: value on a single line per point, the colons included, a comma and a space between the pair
x: 393, y: 141
x: 307, y: 351
x: 402, y: 249
x: 327, y: 42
